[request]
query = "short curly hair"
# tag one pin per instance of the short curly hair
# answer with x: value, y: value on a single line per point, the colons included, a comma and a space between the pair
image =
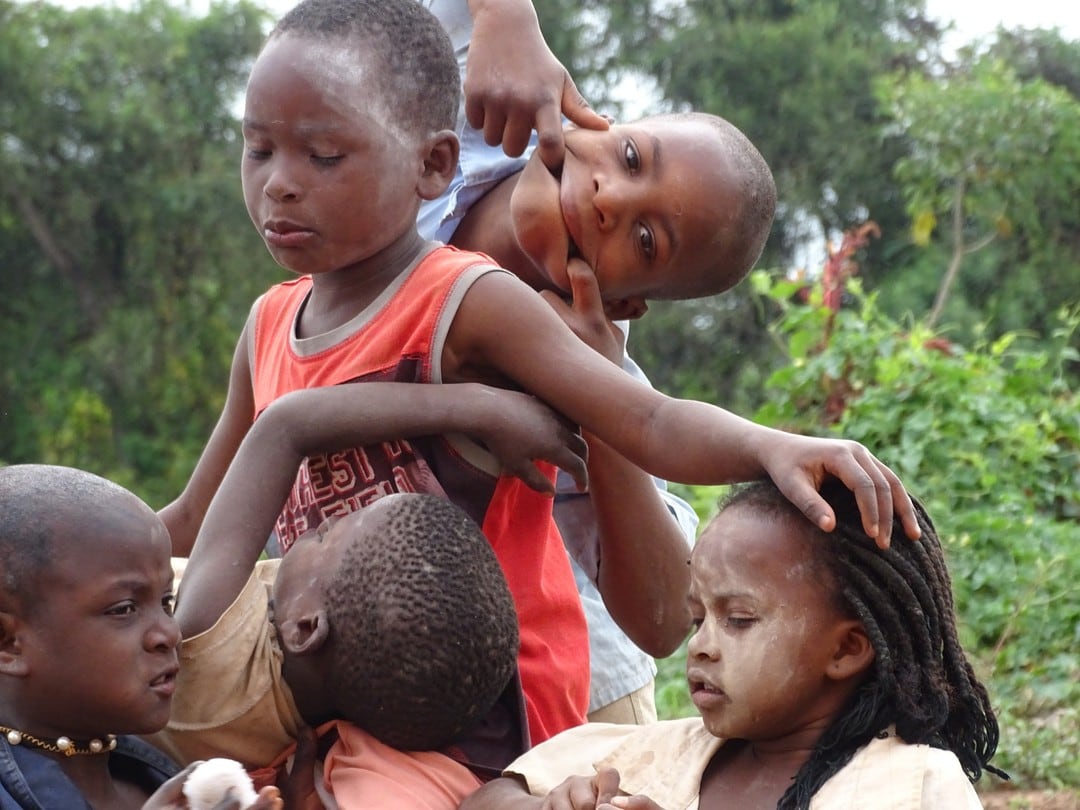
x: 423, y: 630
x: 39, y: 504
x: 418, y: 72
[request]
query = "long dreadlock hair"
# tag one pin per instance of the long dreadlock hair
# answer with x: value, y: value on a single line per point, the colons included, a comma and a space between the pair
x: 921, y: 681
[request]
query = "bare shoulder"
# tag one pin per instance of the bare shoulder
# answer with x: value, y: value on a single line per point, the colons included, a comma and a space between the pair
x: 501, y: 316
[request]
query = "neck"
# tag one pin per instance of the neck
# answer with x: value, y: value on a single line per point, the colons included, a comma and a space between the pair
x: 104, y: 791
x: 790, y: 751
x: 488, y: 227
x: 338, y: 296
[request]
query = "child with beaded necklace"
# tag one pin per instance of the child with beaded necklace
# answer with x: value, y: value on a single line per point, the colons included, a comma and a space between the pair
x: 87, y: 645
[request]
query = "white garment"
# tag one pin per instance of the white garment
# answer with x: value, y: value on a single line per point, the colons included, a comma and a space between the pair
x: 665, y: 761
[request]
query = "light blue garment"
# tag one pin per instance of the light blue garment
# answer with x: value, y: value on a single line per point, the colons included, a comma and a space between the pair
x: 619, y: 667
x: 480, y: 167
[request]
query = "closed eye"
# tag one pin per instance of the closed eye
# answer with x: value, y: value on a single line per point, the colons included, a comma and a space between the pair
x: 328, y: 161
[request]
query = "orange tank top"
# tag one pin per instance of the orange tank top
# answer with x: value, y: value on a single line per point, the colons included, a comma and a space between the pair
x: 400, y: 338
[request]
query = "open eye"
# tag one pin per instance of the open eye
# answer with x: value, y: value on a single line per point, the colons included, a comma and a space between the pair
x: 646, y: 241
x: 633, y: 159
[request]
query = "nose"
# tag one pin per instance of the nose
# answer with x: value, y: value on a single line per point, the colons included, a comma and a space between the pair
x: 699, y: 647
x: 163, y: 634
x: 610, y: 197
x: 281, y: 184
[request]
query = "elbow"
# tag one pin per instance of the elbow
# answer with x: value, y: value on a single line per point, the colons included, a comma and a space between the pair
x: 665, y: 640
x: 659, y: 635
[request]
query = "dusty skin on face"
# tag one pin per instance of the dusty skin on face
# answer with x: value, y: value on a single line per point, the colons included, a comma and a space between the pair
x: 757, y: 660
x: 317, y: 155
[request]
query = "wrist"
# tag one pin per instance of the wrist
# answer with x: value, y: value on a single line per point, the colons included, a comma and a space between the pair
x: 509, y: 13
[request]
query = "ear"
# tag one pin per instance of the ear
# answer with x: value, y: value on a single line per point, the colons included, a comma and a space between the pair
x: 12, y: 660
x: 306, y: 634
x: 853, y: 653
x: 441, y: 153
x: 626, y: 309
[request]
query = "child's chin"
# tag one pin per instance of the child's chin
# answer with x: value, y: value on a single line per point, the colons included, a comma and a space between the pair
x: 554, y: 270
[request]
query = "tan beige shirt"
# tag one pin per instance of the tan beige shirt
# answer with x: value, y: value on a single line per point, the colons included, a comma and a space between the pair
x: 230, y: 699
x: 665, y: 761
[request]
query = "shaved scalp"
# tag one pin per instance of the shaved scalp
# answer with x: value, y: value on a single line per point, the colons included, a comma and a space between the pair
x: 417, y: 71
x: 423, y: 631
x: 41, y: 506
x: 750, y: 225
x: 921, y: 681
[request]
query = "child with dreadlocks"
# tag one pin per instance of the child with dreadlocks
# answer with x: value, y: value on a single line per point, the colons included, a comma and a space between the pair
x: 825, y: 671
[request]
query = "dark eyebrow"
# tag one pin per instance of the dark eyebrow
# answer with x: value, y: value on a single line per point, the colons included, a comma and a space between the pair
x: 658, y: 170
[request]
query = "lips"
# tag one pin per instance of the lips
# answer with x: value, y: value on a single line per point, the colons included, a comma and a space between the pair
x: 165, y: 683
x: 572, y: 219
x: 704, y: 693
x: 282, y: 233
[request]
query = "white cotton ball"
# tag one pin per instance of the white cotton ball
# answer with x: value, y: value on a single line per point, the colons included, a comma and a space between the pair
x: 206, y: 785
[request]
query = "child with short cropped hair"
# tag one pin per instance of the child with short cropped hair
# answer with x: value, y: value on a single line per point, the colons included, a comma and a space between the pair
x: 87, y: 645
x: 827, y: 673
x: 390, y: 629
x: 628, y: 536
x: 347, y: 128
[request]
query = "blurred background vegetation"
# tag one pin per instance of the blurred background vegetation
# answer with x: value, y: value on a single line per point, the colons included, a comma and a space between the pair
x: 940, y: 324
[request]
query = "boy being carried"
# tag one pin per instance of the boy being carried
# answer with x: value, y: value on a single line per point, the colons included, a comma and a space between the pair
x: 391, y: 628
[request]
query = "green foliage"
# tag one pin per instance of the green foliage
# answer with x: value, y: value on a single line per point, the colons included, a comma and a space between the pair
x: 984, y: 134
x: 988, y: 436
x: 714, y: 349
x: 128, y: 261
x: 989, y: 177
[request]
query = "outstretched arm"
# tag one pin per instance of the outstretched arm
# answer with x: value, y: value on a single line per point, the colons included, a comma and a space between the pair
x: 516, y: 427
x: 503, y: 325
x: 514, y: 83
